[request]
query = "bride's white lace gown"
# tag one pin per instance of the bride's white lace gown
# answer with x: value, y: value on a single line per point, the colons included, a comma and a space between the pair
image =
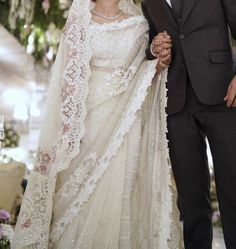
x: 118, y: 212
x: 116, y: 192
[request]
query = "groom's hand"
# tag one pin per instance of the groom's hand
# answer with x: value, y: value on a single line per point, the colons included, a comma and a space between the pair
x: 163, y: 63
x: 230, y: 98
x: 161, y: 47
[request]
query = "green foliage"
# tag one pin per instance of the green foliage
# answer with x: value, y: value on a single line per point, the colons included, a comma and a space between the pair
x: 37, y: 28
x: 4, y: 12
x: 54, y: 15
x: 5, y: 243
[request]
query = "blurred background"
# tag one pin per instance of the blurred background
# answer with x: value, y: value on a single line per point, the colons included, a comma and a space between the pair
x: 29, y: 36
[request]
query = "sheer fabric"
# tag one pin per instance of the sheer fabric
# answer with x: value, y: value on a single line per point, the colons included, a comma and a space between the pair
x: 102, y: 178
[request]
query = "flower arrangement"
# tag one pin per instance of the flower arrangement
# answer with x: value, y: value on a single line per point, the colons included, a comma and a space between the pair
x: 11, y: 137
x: 6, y: 231
x: 216, y: 218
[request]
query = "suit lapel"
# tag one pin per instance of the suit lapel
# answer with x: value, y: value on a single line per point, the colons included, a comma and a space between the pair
x: 160, y: 7
x: 187, y: 7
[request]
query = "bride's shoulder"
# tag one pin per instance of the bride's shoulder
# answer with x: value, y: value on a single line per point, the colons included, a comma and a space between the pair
x: 132, y: 19
x: 125, y: 22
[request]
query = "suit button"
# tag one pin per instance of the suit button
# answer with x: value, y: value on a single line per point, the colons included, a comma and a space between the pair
x: 182, y: 37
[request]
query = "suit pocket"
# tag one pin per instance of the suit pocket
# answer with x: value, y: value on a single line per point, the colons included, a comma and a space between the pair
x: 219, y: 57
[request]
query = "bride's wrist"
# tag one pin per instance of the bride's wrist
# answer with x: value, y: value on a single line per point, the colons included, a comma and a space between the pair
x: 152, y: 50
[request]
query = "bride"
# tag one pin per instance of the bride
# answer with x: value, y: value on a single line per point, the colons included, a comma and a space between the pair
x: 101, y: 178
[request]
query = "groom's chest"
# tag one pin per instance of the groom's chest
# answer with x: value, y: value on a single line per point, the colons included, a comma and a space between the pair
x: 194, y: 14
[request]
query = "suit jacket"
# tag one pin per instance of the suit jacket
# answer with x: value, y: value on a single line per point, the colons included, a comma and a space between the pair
x: 201, y: 47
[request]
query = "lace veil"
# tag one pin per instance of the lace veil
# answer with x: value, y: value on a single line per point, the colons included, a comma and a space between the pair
x: 63, y: 129
x: 63, y: 126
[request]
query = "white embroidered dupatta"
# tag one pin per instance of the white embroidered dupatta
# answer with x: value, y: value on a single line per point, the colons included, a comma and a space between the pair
x: 64, y: 128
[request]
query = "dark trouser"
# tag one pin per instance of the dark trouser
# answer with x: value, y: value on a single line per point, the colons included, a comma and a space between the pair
x: 188, y: 130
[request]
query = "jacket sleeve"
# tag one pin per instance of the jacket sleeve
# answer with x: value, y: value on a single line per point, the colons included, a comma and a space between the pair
x: 152, y: 32
x: 230, y: 13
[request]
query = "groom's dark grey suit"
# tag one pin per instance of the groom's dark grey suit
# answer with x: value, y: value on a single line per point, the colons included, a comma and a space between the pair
x: 199, y: 75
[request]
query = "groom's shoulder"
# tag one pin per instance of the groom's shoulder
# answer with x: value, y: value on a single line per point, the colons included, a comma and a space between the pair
x: 148, y: 3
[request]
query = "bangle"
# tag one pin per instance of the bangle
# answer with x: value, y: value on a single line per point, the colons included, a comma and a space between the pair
x: 152, y: 52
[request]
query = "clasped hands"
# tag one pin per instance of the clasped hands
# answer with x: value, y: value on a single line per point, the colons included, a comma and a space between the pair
x: 161, y: 49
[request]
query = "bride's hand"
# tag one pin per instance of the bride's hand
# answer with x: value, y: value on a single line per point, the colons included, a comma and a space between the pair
x: 164, y: 61
x: 161, y: 43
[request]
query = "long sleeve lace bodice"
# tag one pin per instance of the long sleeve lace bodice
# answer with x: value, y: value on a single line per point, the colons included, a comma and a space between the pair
x: 117, y: 49
x: 115, y: 45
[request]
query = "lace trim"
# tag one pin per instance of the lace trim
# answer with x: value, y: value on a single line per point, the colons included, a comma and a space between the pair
x: 34, y: 220
x: 171, y: 235
x: 104, y: 162
x: 129, y: 7
x: 42, y: 162
x: 75, y: 89
x: 80, y: 176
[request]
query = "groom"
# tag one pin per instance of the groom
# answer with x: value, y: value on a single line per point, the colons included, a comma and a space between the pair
x: 201, y: 103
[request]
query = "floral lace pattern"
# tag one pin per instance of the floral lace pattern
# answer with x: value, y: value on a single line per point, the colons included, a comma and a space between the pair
x: 115, y: 83
x: 166, y: 199
x: 34, y: 221
x: 42, y: 162
x: 102, y: 163
x: 60, y: 144
x: 32, y: 229
x: 118, y: 81
x: 80, y: 176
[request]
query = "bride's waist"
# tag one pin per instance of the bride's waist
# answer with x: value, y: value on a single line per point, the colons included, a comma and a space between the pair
x: 99, y: 76
x: 95, y: 68
x: 107, y: 82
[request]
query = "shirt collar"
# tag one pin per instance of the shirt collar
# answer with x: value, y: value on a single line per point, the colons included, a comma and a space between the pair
x: 169, y: 2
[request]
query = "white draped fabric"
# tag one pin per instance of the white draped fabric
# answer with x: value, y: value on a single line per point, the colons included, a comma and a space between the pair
x: 102, y: 179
